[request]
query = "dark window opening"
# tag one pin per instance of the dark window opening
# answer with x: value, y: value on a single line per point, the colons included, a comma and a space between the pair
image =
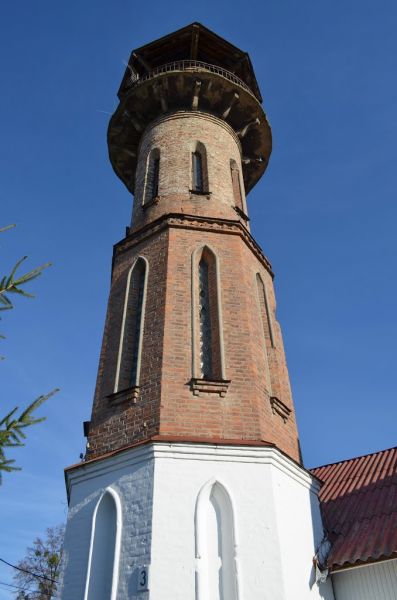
x: 154, y: 184
x: 138, y: 322
x: 198, y: 179
x: 205, y: 339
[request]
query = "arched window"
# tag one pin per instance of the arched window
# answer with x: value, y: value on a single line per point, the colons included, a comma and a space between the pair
x: 267, y: 329
x: 199, y: 169
x: 216, y: 575
x: 102, y: 575
x: 152, y: 175
x: 236, y: 185
x: 206, y: 367
x: 265, y: 312
x: 207, y: 334
x: 132, y: 328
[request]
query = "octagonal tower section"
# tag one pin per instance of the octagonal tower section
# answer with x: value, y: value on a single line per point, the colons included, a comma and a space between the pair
x: 192, y: 349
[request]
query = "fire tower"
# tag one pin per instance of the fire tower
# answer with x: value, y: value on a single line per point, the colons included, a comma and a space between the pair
x: 192, y: 486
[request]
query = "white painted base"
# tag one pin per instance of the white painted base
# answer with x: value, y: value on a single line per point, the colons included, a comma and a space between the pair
x: 200, y: 522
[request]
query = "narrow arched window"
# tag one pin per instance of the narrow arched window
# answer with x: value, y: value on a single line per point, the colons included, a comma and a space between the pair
x: 236, y: 185
x: 103, y: 560
x: 267, y: 329
x: 207, y: 341
x: 154, y: 184
x: 215, y: 545
x: 199, y: 169
x: 132, y: 328
x: 152, y: 175
x: 265, y: 312
x: 206, y: 368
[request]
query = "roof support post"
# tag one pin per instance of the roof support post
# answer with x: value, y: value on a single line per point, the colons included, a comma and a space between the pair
x: 196, y: 94
x: 234, y: 99
x: 142, y: 62
x: 159, y: 93
x: 243, y: 132
x: 194, y: 42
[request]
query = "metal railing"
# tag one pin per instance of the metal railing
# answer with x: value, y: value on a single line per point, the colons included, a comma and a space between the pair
x: 194, y: 66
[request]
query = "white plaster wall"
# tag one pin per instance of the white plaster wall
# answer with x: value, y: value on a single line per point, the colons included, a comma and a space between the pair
x: 274, y: 503
x: 300, y: 531
x: 130, y: 475
x: 369, y: 582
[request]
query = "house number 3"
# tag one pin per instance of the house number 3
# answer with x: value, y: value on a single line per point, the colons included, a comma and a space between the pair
x: 143, y: 578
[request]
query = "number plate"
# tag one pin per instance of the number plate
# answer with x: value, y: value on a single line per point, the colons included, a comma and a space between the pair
x: 143, y: 578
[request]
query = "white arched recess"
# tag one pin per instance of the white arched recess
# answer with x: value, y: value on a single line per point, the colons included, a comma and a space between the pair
x: 215, y: 544
x: 104, y: 554
x: 196, y: 254
x: 122, y: 333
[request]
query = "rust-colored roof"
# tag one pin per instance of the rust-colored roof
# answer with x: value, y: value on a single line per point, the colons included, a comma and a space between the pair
x: 359, y: 504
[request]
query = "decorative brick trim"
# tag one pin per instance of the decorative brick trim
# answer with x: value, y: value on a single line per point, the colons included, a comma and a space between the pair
x: 129, y: 395
x: 193, y: 222
x: 280, y: 408
x: 208, y: 386
x: 170, y: 439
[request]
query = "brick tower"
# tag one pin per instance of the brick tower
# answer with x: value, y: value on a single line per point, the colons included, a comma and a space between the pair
x: 192, y: 473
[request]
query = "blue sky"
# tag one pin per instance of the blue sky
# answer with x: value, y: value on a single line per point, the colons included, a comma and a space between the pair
x: 324, y: 213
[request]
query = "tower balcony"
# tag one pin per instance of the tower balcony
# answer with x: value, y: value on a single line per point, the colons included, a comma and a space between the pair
x: 192, y: 69
x: 192, y: 66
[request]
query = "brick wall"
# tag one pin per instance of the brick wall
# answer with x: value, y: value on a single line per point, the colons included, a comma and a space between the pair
x: 176, y: 137
x: 167, y: 234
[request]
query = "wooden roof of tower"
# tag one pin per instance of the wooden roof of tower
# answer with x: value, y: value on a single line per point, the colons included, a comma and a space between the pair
x: 193, y: 42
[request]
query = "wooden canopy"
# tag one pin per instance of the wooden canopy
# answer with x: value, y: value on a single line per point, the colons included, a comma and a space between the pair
x: 193, y: 42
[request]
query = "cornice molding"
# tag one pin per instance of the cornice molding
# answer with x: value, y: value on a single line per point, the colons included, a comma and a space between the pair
x: 152, y: 450
x: 185, y: 221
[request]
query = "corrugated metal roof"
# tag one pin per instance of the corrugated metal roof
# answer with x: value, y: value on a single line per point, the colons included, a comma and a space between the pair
x: 359, y: 504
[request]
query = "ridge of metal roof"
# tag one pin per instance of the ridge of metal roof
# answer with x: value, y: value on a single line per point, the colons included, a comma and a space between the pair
x: 352, y: 458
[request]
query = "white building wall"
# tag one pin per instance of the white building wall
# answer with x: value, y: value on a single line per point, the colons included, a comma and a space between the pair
x: 369, y: 582
x: 130, y: 475
x: 274, y: 510
x: 274, y: 502
x: 300, y: 529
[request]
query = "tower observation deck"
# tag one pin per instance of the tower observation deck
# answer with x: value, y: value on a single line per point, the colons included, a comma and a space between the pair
x: 190, y: 69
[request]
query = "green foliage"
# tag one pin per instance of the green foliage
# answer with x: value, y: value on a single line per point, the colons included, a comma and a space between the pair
x: 12, y: 427
x: 11, y: 285
x: 39, y: 570
x: 12, y: 430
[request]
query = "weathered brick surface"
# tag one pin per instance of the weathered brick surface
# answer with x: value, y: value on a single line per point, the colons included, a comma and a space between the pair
x: 245, y: 412
x: 166, y: 404
x: 115, y: 424
x: 176, y: 137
